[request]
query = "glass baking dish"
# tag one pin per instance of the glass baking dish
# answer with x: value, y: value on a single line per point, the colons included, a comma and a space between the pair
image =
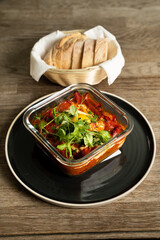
x: 81, y: 165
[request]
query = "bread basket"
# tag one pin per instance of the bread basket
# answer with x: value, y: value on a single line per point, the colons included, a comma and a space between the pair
x: 64, y: 77
x: 91, y: 75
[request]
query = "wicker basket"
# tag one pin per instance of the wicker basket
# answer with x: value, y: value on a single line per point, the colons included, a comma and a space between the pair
x: 91, y: 75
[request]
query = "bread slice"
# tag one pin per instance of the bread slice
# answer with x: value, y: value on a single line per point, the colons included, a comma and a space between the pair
x: 88, y: 53
x: 62, y: 55
x: 67, y: 37
x: 67, y: 50
x: 77, y: 54
x: 101, y: 51
x: 48, y: 57
x: 56, y: 56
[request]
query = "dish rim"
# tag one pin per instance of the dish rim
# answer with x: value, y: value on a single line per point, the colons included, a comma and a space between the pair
x: 79, y: 205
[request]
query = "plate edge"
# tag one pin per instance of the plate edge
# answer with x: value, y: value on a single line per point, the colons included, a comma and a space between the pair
x: 79, y: 205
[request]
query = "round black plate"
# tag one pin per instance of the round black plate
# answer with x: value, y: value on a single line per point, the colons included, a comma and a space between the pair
x: 102, y: 184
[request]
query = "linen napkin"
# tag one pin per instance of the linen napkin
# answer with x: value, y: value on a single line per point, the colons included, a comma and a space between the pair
x: 112, y: 66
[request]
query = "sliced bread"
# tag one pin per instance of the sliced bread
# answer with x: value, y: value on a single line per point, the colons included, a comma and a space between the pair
x: 88, y: 53
x: 101, y: 51
x: 62, y: 58
x: 77, y: 54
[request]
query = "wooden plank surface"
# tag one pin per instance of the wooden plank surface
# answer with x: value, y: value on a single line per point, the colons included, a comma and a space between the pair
x: 136, y: 24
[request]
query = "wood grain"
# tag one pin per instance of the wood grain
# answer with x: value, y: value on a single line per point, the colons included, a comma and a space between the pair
x: 136, y: 24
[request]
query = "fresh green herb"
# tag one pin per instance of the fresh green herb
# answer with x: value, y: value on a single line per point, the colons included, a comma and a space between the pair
x: 92, y: 118
x: 36, y: 126
x: 95, y: 118
x: 38, y: 116
x: 74, y: 111
x: 54, y: 112
x: 88, y: 139
x: 62, y: 146
x: 61, y: 133
x: 104, y: 135
x: 42, y: 125
x: 69, y: 149
x: 70, y: 132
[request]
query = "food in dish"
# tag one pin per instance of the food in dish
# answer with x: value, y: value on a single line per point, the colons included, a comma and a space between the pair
x: 77, y: 126
x: 76, y: 51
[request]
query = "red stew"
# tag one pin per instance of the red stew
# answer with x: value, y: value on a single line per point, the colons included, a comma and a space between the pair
x: 77, y: 126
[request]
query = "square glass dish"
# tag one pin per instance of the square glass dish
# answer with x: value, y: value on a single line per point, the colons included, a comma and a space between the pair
x: 78, y: 127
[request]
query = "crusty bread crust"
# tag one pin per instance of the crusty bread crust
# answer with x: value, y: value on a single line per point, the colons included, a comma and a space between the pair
x: 48, y: 57
x: 67, y: 37
x: 101, y: 50
x: 88, y: 53
x: 77, y: 54
x: 67, y: 52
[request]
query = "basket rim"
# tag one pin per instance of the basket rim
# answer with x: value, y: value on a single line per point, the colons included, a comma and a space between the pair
x: 82, y: 70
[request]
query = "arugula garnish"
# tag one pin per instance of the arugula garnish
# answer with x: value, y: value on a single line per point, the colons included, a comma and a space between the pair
x: 104, y: 135
x: 94, y: 118
x: 38, y: 117
x: 70, y: 132
x: 74, y: 111
x: 88, y: 140
x: 42, y: 125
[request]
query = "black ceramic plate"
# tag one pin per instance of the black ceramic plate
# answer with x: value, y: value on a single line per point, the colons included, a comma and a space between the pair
x: 103, y: 183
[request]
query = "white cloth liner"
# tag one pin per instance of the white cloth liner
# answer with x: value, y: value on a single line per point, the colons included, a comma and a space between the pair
x: 38, y: 67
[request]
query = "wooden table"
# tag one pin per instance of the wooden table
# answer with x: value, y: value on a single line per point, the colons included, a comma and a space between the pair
x: 136, y: 24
